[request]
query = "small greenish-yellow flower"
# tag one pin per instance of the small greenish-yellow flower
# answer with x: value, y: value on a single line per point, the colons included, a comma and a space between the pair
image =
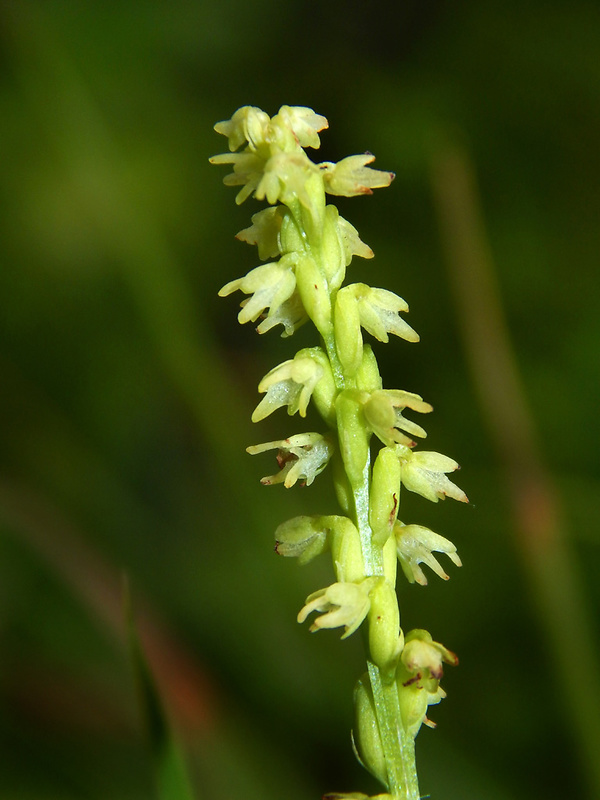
x: 291, y: 314
x: 270, y: 286
x: 303, y: 537
x: 290, y: 384
x: 418, y: 678
x: 248, y: 170
x: 423, y: 657
x: 273, y: 164
x: 304, y: 123
x: 343, y: 604
x: 415, y: 545
x: 383, y: 412
x: 284, y: 178
x: 264, y: 231
x: 307, y: 537
x: 424, y: 473
x: 253, y: 127
x: 249, y: 125
x: 379, y: 313
x: 300, y: 457
x: 351, y: 176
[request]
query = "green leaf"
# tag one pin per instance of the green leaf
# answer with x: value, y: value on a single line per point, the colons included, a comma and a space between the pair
x: 171, y: 776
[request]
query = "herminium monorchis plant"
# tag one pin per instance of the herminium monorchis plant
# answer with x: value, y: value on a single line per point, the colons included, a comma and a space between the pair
x: 307, y: 246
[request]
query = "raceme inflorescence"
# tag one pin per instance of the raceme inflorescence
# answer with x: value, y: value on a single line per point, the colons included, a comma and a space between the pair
x: 306, y: 246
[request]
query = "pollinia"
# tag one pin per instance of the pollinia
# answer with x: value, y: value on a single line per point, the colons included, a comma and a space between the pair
x: 306, y: 246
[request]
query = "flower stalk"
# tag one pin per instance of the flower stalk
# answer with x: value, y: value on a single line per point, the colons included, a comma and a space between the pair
x: 309, y: 247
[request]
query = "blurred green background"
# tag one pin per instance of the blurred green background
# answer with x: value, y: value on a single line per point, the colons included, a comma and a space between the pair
x: 127, y: 388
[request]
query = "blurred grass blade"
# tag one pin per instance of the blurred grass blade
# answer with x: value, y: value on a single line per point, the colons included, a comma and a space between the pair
x: 558, y: 592
x: 171, y: 777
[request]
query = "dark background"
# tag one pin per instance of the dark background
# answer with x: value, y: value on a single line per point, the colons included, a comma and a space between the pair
x: 127, y: 387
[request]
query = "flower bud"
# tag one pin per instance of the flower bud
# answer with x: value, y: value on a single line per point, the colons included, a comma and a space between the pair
x: 368, y: 378
x: 354, y: 437
x: 312, y: 199
x: 332, y: 250
x: 290, y: 236
x: 314, y: 292
x: 366, y: 736
x: 346, y: 551
x: 348, y: 337
x: 385, y: 494
x: 384, y: 626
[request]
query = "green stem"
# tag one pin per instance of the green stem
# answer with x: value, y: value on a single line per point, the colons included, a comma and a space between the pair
x: 398, y: 746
